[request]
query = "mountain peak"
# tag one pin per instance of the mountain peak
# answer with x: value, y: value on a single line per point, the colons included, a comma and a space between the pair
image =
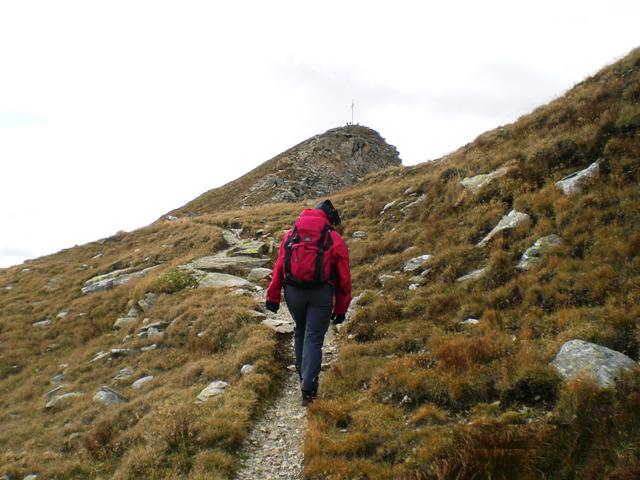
x: 318, y: 166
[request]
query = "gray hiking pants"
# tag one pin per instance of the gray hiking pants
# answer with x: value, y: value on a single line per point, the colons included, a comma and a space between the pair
x: 311, y: 310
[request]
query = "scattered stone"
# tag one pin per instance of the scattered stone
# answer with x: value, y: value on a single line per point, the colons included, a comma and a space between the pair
x: 42, y: 323
x: 471, y: 321
x: 416, y: 263
x: 222, y: 280
x: 246, y: 369
x: 601, y: 363
x: 257, y: 274
x: 32, y: 476
x: 107, y: 396
x: 123, y: 322
x: 150, y: 329
x: 384, y: 278
x: 509, y: 221
x: 141, y: 382
x: 122, y: 352
x: 154, y: 334
x: 413, y: 286
x: 57, y: 379
x: 62, y: 314
x: 475, y: 184
x: 359, y: 234
x: 97, y: 256
x: 212, y: 390
x: 577, y: 181
x: 124, y: 374
x: 418, y: 201
x: 98, y: 356
x: 53, y: 392
x: 171, y: 218
x: 474, y: 275
x: 148, y: 348
x: 147, y: 301
x: 533, y: 255
x: 387, y: 207
x: 57, y: 399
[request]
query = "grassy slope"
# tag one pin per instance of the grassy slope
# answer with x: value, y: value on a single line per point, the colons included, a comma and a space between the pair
x: 478, y: 401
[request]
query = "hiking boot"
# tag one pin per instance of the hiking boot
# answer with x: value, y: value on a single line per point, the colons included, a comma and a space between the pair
x: 307, y: 398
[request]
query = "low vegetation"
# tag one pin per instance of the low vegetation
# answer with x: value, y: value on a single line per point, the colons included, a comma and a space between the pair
x: 416, y: 393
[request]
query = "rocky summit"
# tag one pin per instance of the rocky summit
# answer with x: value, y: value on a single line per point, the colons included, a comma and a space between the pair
x: 316, y: 167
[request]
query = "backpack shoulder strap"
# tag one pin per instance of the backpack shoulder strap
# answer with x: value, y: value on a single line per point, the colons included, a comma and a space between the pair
x: 293, y: 238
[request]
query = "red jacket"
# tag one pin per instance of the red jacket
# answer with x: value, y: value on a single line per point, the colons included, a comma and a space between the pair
x: 339, y: 260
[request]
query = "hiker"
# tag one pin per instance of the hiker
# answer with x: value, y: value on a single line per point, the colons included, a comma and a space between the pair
x: 313, y: 267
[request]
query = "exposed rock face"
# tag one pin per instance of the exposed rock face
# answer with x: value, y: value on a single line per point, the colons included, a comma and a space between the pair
x: 316, y: 167
x: 222, y: 280
x: 222, y: 263
x: 511, y: 220
x: 113, y: 279
x: 601, y: 363
x: 576, y: 182
x: 533, y: 254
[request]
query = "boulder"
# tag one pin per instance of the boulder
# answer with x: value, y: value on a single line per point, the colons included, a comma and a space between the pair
x: 417, y: 262
x: 222, y: 280
x: 470, y: 322
x: 359, y: 234
x: 257, y: 274
x: 577, y: 181
x: 246, y: 369
x: 107, y: 396
x: 604, y: 365
x: 477, y: 183
x: 212, y: 390
x: 509, y: 221
x: 474, y: 275
x: 533, y: 255
x: 141, y: 382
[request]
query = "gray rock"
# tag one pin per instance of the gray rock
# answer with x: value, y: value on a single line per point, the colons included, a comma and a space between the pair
x: 474, y: 275
x: 57, y: 379
x: 252, y: 248
x: 246, y: 369
x: 222, y: 263
x: 133, y: 312
x: 387, y: 207
x: 384, y: 278
x: 257, y: 274
x: 42, y: 323
x: 509, y: 221
x: 212, y: 390
x: 54, y: 392
x: 58, y: 399
x: 240, y: 292
x: 359, y: 234
x: 577, y: 181
x: 122, y: 352
x: 148, y: 348
x: 222, y: 280
x: 417, y: 202
x: 154, y: 328
x: 417, y: 262
x: 533, y: 255
x: 32, y: 476
x: 601, y: 363
x: 107, y: 396
x: 154, y: 334
x: 470, y: 321
x: 147, y: 301
x: 123, y: 322
x: 113, y: 279
x: 141, y: 382
x: 62, y: 314
x: 475, y: 184
x: 124, y: 374
x: 99, y: 356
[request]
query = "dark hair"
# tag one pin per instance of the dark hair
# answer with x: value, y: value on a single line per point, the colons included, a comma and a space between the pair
x: 329, y: 210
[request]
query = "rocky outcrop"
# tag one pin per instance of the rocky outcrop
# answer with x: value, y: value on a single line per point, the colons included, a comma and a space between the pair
x: 602, y: 364
x: 108, y: 396
x: 314, y: 168
x: 576, y: 182
x: 113, y: 279
x: 416, y: 262
x: 477, y: 183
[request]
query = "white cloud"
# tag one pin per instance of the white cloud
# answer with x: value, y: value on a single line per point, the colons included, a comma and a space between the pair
x: 131, y: 109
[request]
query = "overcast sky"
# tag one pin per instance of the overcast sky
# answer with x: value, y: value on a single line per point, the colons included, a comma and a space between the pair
x: 115, y: 112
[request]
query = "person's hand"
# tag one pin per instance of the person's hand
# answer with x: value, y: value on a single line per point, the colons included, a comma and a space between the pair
x: 272, y: 307
x: 337, y: 319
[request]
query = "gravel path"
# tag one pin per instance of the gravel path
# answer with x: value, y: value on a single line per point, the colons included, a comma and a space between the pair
x: 274, y: 449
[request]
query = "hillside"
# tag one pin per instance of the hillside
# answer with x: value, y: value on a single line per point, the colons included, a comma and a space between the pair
x: 314, y: 168
x: 444, y: 367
